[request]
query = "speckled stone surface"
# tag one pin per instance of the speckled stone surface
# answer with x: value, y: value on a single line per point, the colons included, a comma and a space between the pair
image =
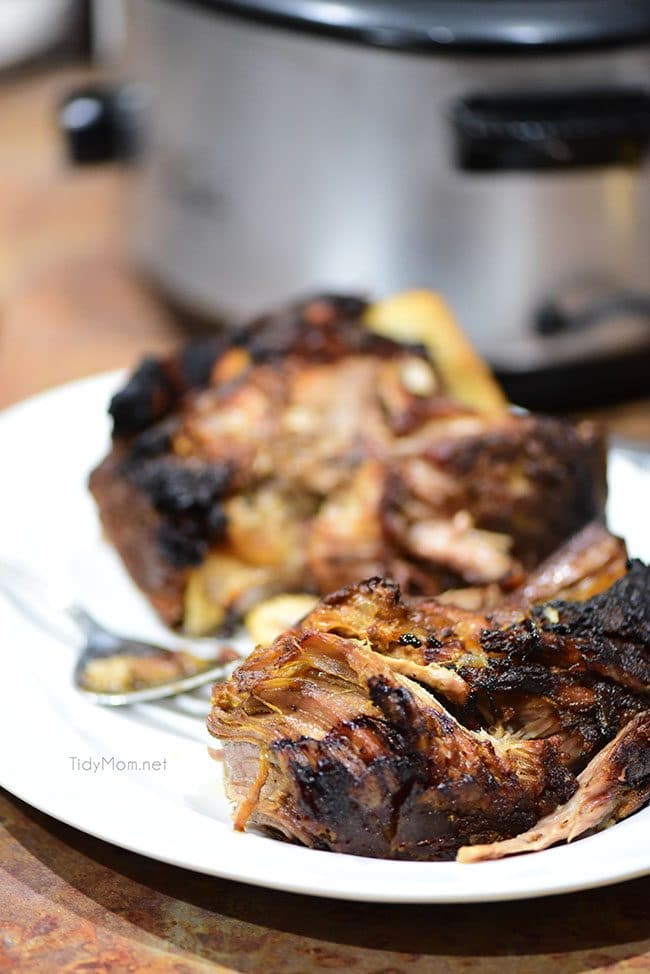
x: 70, y: 903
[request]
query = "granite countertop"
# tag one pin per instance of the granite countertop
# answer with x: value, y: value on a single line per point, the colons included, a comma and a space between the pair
x: 72, y: 305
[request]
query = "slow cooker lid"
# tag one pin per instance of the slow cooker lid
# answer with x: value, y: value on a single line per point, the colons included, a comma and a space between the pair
x: 482, y: 25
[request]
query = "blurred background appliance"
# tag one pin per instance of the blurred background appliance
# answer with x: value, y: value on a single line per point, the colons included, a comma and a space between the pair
x: 31, y: 29
x: 496, y: 151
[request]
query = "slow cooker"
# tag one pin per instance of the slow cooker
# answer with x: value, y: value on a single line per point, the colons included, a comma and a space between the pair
x: 495, y: 151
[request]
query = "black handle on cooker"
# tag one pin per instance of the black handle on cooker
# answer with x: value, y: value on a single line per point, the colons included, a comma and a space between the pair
x: 552, y: 130
x: 101, y: 123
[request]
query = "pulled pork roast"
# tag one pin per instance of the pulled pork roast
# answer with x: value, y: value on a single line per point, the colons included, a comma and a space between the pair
x: 412, y: 728
x: 304, y: 452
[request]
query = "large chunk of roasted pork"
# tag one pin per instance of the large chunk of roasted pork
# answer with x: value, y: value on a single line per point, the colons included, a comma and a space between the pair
x: 410, y: 727
x: 304, y: 452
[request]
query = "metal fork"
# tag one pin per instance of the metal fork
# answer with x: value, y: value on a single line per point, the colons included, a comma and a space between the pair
x: 42, y: 601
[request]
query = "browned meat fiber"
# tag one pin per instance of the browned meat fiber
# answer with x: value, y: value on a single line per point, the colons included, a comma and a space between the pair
x: 308, y: 452
x: 409, y: 728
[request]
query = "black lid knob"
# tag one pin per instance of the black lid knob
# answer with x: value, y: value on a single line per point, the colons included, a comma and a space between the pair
x: 91, y: 120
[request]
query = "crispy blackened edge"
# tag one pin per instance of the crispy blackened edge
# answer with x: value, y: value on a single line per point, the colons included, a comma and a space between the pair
x: 187, y: 497
x: 146, y: 397
x: 633, y: 756
x: 611, y: 630
x: 622, y: 611
x: 133, y: 525
x: 598, y: 649
x: 342, y: 804
x: 392, y: 804
x: 608, y: 634
x: 323, y: 328
x: 158, y: 385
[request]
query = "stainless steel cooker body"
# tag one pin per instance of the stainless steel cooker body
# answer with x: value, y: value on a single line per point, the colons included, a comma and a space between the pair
x: 277, y: 161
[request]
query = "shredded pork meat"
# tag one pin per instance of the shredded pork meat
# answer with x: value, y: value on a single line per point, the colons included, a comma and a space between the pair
x: 400, y: 727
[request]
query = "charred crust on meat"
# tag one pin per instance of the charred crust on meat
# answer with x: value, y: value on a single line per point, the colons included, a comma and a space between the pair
x: 147, y: 396
x: 409, y: 639
x: 394, y: 702
x: 157, y: 385
x: 360, y: 812
x: 174, y: 487
x: 181, y: 543
x: 187, y: 498
x: 396, y: 804
x: 197, y: 360
x: 320, y: 329
x: 606, y: 635
x: 151, y: 442
x: 635, y: 759
x: 623, y: 611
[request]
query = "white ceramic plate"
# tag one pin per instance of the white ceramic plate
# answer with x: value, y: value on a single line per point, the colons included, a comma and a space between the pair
x: 177, y: 811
